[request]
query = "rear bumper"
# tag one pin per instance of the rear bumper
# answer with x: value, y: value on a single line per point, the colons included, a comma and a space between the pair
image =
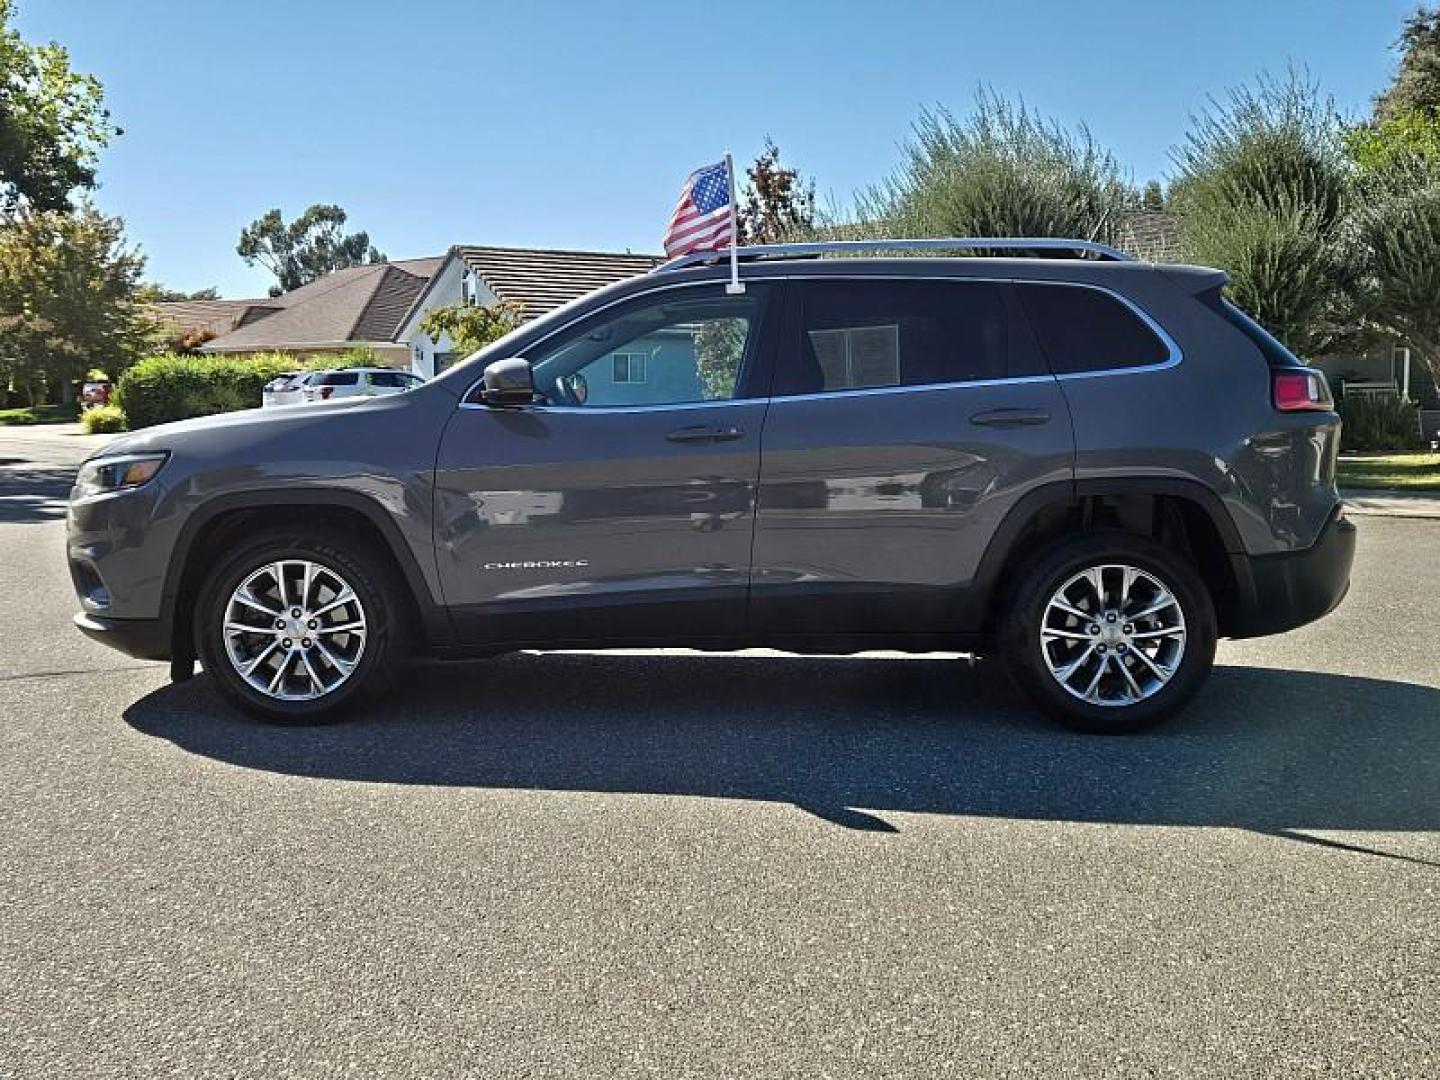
x: 1281, y: 592
x: 144, y: 639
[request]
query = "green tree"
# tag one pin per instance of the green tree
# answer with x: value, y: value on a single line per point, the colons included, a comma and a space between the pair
x: 1262, y: 189
x: 53, y: 123
x: 67, y: 293
x: 1397, y: 228
x: 472, y: 326
x: 1416, y: 86
x: 1002, y: 170
x: 152, y: 292
x: 311, y: 246
x: 778, y: 203
x: 719, y: 348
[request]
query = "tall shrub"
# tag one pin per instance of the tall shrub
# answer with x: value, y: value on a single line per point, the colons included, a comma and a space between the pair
x: 1001, y: 170
x: 1262, y: 190
x: 1397, y: 227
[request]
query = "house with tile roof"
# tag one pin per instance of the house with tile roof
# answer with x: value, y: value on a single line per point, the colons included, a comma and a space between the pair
x: 357, y: 307
x: 380, y: 305
x: 213, y: 316
x: 1150, y: 235
x: 539, y: 280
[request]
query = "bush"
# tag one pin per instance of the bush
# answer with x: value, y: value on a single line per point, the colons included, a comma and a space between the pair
x: 103, y: 420
x: 169, y: 387
x: 1379, y: 425
x: 360, y: 356
x: 1002, y: 170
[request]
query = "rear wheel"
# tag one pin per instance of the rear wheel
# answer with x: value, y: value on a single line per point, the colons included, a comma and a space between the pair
x: 296, y: 629
x: 1110, y: 632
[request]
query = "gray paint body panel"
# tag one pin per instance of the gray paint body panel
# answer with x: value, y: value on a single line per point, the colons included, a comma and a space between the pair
x: 890, y: 497
x: 616, y: 517
x: 876, y: 509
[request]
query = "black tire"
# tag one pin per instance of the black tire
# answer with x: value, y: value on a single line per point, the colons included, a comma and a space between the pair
x: 1026, y: 656
x: 369, y: 576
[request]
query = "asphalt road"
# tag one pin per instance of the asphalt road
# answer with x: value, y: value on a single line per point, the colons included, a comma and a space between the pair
x: 675, y: 865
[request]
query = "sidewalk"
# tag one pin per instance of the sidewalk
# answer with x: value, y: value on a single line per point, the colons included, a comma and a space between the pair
x: 1378, y: 502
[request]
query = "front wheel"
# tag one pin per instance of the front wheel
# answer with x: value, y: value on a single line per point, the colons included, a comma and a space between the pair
x: 296, y: 629
x: 1110, y: 632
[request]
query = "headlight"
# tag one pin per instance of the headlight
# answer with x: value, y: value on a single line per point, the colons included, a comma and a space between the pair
x: 119, y: 473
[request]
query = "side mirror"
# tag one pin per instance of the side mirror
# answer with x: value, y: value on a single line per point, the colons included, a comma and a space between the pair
x: 508, y: 382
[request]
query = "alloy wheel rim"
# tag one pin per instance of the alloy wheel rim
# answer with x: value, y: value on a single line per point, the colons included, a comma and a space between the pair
x: 295, y: 630
x: 1113, y: 635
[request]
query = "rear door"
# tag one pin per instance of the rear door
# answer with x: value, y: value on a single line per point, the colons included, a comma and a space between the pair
x: 908, y: 417
x: 621, y: 505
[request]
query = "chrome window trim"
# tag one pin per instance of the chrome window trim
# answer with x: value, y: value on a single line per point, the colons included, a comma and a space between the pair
x: 1171, y: 345
x: 661, y: 287
x: 1176, y: 354
x: 910, y: 388
x: 595, y: 410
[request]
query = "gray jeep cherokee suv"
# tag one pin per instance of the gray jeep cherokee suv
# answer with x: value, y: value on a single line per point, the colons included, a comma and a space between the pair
x: 1093, y: 465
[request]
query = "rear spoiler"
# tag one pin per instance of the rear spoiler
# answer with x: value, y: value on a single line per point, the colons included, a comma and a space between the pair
x: 1195, y: 280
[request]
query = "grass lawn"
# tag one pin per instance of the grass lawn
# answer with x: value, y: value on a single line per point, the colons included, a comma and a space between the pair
x: 40, y: 414
x: 1409, y: 472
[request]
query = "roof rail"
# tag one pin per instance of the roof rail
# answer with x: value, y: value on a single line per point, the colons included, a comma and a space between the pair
x: 952, y: 243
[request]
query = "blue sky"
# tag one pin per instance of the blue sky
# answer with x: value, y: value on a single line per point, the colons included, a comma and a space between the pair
x: 573, y: 124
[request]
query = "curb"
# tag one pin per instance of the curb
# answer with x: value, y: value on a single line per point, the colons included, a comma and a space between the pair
x: 1391, y: 504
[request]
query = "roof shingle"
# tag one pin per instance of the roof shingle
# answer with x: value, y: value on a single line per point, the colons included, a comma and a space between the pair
x: 358, y: 303
x: 216, y: 316
x: 1150, y: 235
x: 540, y: 279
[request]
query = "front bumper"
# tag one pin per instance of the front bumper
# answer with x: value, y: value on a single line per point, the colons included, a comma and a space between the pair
x: 144, y: 639
x: 1281, y: 592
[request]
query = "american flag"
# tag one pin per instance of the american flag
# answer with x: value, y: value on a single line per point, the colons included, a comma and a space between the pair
x: 701, y: 221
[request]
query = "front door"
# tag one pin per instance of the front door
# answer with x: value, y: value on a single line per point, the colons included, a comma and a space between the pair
x: 908, y: 418
x: 621, y: 505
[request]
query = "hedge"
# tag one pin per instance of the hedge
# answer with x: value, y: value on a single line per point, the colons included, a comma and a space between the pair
x: 1379, y: 425
x: 169, y: 387
x: 177, y: 387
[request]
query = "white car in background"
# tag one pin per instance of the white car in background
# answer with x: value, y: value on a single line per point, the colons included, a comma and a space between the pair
x: 287, y: 389
x: 358, y: 382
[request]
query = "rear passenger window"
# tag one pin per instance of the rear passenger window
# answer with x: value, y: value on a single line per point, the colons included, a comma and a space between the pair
x: 857, y: 335
x: 338, y: 378
x: 1082, y: 329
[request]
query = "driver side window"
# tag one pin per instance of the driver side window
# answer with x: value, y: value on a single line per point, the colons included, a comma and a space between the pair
x: 670, y: 349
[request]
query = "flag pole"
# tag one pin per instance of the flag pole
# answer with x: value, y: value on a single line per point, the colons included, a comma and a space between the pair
x: 734, y: 285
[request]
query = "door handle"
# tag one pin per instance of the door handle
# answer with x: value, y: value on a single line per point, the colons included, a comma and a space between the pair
x: 1010, y: 418
x: 704, y: 433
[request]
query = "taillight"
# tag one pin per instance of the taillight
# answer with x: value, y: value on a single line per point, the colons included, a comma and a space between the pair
x: 1301, y: 390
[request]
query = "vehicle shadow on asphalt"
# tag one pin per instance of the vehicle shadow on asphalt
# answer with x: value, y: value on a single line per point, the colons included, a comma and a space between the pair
x: 849, y: 738
x: 31, y: 493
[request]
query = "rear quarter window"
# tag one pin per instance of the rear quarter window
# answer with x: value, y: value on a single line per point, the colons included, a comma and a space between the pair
x: 1082, y: 329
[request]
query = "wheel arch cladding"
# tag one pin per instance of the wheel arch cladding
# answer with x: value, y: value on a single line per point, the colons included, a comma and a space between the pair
x: 222, y: 520
x: 1178, y: 511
